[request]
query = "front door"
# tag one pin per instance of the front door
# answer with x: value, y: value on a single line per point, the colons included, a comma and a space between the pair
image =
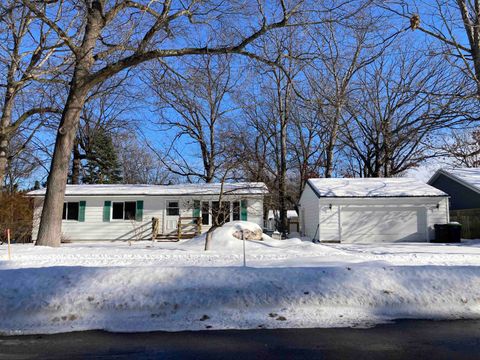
x: 172, y: 213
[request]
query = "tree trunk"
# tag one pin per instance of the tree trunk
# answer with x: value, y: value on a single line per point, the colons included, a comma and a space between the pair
x: 49, y: 232
x: 5, y: 123
x: 3, y: 157
x: 76, y: 164
x: 208, y: 237
x: 283, y: 173
x: 331, y: 146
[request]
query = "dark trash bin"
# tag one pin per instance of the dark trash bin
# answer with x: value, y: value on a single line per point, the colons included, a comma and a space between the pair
x: 448, y: 233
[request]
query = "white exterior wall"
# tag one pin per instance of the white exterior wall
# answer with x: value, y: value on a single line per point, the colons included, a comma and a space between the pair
x: 371, y: 219
x: 309, y: 210
x: 255, y: 211
x: 94, y: 228
x: 380, y: 219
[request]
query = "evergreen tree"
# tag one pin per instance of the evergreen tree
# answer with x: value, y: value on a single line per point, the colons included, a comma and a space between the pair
x: 102, y: 165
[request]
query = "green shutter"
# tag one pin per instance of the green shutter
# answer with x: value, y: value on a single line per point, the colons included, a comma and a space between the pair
x: 81, y: 210
x: 196, y: 208
x: 106, y: 210
x: 139, y: 212
x: 243, y: 210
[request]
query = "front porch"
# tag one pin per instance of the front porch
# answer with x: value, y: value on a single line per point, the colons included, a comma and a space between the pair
x: 187, y: 228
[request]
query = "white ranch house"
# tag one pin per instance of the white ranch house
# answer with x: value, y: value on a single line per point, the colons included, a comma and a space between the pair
x: 126, y: 212
x: 366, y: 210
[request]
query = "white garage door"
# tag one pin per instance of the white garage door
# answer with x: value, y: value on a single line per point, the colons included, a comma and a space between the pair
x: 369, y: 224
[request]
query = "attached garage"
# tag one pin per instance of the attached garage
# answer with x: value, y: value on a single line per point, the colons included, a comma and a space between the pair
x: 367, y: 210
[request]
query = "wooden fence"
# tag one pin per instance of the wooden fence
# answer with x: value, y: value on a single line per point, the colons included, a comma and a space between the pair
x: 470, y: 220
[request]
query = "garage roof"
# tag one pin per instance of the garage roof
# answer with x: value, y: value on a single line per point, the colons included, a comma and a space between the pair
x: 240, y: 188
x: 372, y: 187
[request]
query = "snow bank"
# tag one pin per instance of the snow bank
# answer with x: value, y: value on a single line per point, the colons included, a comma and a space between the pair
x: 62, y: 299
x: 288, y: 283
x: 223, y: 237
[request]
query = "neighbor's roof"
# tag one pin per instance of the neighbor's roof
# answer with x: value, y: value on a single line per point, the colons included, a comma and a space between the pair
x: 470, y: 177
x: 243, y: 188
x: 276, y: 213
x: 372, y: 187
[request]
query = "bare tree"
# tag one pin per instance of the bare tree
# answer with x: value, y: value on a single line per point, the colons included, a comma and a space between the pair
x: 338, y: 52
x: 106, y: 110
x: 453, y: 24
x: 395, y: 113
x: 463, y: 147
x: 27, y: 52
x: 270, y: 110
x: 140, y: 165
x: 195, y: 106
x: 21, y: 164
x: 115, y: 35
x: 306, y: 144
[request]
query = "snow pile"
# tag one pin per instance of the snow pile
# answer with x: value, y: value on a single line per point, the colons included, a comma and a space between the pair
x: 62, y: 299
x: 287, y: 283
x: 228, y: 236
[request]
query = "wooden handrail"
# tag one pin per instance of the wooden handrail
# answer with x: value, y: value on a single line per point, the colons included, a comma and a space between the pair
x: 197, y: 222
x: 155, y: 227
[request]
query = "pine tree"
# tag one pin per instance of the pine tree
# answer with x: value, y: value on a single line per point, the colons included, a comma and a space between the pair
x: 102, y: 165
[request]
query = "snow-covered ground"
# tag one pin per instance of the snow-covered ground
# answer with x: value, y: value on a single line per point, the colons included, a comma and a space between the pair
x: 287, y: 283
x: 269, y: 253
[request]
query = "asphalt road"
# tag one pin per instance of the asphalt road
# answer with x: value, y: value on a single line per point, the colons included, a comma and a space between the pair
x: 410, y: 339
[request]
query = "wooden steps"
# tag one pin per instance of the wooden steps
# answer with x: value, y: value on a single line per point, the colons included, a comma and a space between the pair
x: 189, y: 228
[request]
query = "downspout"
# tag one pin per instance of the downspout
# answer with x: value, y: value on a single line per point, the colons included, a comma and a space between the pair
x: 319, y: 220
x: 427, y: 228
x: 339, y: 223
x: 447, y: 205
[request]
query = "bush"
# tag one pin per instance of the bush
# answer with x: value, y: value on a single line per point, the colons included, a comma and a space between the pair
x: 16, y: 214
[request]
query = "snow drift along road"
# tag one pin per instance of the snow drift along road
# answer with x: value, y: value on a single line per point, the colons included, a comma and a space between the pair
x: 62, y: 299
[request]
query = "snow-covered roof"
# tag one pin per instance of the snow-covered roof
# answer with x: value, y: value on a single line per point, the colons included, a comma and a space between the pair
x: 372, y: 187
x: 275, y: 213
x: 468, y: 176
x: 240, y: 188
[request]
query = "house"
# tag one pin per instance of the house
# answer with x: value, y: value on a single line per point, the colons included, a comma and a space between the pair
x: 124, y: 212
x: 463, y: 186
x: 368, y: 210
x: 274, y: 219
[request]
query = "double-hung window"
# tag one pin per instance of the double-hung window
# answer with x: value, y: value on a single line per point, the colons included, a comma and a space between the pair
x: 236, y: 211
x: 220, y: 214
x: 205, y: 213
x: 71, y: 210
x: 173, y: 208
x: 124, y: 210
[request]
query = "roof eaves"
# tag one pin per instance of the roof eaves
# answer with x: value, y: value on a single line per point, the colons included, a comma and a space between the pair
x: 455, y: 178
x: 314, y: 189
x: 386, y: 196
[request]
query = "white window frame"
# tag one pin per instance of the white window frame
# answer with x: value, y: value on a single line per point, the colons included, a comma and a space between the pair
x: 230, y: 213
x: 167, y: 207
x: 123, y: 202
x: 65, y: 203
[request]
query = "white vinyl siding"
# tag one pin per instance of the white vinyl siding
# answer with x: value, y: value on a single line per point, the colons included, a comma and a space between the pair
x: 309, y: 211
x: 381, y: 219
x: 370, y: 219
x: 94, y: 228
